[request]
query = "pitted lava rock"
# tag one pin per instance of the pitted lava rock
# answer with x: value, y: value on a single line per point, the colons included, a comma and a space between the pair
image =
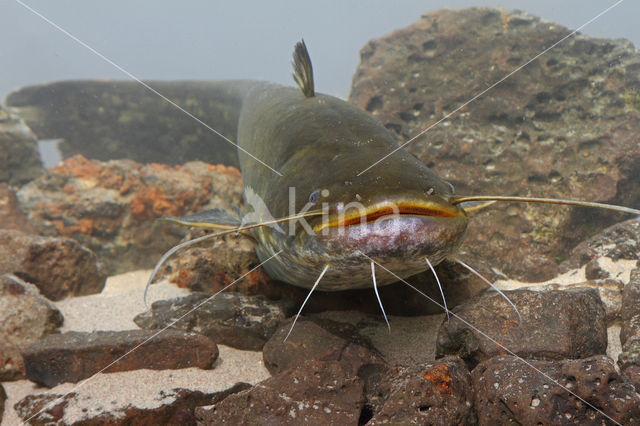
x: 232, y: 319
x: 556, y: 324
x: 212, y: 265
x: 73, y: 356
x: 316, y: 392
x: 582, y: 391
x: 320, y: 339
x: 176, y: 407
x: 59, y: 267
x: 629, y: 360
x: 563, y: 126
x: 25, y: 317
x: 112, y: 207
x: 435, y: 393
x: 619, y: 241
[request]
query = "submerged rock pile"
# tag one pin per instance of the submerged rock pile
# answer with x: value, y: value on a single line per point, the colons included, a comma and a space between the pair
x: 112, y: 207
x: 567, y: 352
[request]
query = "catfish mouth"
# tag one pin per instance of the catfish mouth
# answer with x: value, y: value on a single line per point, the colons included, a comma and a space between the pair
x: 394, y: 233
x: 388, y: 210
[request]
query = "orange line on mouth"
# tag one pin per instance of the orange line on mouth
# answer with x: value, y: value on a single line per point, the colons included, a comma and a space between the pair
x: 376, y: 212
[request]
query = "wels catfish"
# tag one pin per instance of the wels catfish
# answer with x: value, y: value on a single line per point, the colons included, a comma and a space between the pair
x: 400, y: 216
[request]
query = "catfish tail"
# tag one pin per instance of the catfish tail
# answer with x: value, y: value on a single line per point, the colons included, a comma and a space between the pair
x: 107, y: 120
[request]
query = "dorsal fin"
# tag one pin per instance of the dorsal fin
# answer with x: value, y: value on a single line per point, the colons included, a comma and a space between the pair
x: 303, y: 71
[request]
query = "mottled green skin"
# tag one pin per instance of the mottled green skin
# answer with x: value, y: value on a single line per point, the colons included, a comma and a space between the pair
x: 322, y: 142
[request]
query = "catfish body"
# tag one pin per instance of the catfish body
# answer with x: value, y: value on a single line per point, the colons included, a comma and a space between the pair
x: 318, y: 143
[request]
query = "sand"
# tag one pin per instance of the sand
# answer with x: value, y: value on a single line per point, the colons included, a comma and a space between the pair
x: 114, y: 309
x: 411, y: 341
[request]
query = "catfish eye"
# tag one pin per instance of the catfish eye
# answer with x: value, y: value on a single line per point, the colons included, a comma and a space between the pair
x: 453, y: 190
x: 313, y: 197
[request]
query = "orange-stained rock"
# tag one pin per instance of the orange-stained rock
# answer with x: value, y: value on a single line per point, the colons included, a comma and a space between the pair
x: 112, y: 207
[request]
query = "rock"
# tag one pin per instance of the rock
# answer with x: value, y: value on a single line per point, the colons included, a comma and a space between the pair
x: 508, y: 391
x: 513, y: 139
x: 629, y: 360
x: 111, y: 207
x: 232, y: 319
x: 11, y: 362
x: 3, y: 398
x: 25, y: 317
x: 616, y: 243
x: 73, y: 356
x: 320, y: 339
x: 212, y: 265
x: 317, y: 392
x: 609, y: 289
x: 59, y: 267
x: 173, y: 407
x: 109, y: 120
x: 19, y: 157
x: 435, y: 393
x: 11, y: 217
x: 555, y: 325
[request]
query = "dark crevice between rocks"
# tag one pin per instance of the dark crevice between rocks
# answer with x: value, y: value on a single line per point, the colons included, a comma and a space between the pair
x: 366, y: 414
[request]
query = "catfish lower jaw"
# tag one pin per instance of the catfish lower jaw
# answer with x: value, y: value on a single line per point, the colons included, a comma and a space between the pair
x: 398, y: 244
x: 401, y: 236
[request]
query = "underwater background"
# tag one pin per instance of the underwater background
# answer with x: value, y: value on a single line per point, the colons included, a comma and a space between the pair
x: 79, y: 237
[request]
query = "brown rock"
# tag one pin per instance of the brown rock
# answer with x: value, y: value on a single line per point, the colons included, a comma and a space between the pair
x: 112, y: 207
x: 11, y: 362
x: 25, y: 317
x: 619, y: 241
x: 3, y: 398
x: 176, y: 408
x: 73, y: 356
x: 555, y: 325
x: 317, y: 392
x: 214, y: 264
x: 435, y: 393
x: 320, y: 339
x: 232, y: 319
x: 629, y: 360
x: 19, y: 157
x: 582, y: 391
x: 59, y: 267
x: 513, y: 139
x: 11, y: 217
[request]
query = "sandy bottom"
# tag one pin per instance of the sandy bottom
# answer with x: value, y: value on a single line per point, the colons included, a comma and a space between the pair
x: 411, y: 341
x: 114, y: 309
